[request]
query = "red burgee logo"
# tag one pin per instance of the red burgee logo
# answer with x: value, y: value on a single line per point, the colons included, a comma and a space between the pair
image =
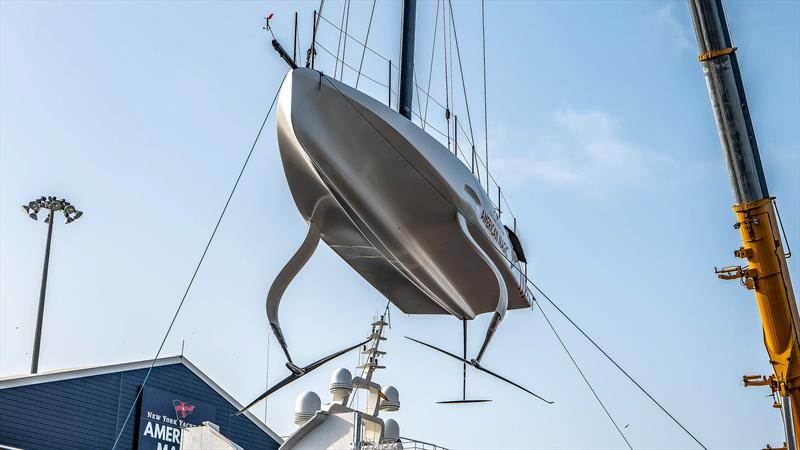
x: 182, y: 409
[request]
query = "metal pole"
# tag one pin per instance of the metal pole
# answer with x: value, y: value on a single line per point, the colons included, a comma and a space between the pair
x: 455, y: 127
x: 464, y: 387
x: 294, y: 46
x: 37, y: 339
x: 407, y: 58
x: 390, y: 83
x: 314, y: 39
x: 789, y: 421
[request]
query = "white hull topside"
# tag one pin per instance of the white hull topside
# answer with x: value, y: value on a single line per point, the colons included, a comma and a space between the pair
x: 386, y: 197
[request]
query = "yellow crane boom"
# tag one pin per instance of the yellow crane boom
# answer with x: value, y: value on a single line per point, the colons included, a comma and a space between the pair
x: 766, y: 271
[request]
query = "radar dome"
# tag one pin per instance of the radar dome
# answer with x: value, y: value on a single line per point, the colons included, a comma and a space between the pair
x: 341, y: 385
x: 391, y: 431
x: 305, y: 406
x: 392, y: 401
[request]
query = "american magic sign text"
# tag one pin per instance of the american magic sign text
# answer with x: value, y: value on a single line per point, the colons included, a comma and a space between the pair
x: 163, y: 414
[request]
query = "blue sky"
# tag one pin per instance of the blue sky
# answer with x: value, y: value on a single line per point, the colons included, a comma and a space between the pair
x: 600, y: 131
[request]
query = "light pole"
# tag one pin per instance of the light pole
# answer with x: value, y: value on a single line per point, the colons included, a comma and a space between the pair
x: 53, y: 205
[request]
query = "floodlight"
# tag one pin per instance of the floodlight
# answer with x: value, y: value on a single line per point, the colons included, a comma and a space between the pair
x: 77, y: 215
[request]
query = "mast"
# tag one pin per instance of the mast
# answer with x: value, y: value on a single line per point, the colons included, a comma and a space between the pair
x: 407, y: 57
x: 766, y: 271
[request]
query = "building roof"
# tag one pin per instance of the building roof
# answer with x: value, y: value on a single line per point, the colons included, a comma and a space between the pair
x: 81, y: 372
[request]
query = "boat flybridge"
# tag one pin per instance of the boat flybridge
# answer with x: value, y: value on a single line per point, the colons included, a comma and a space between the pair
x: 394, y: 203
x: 347, y: 421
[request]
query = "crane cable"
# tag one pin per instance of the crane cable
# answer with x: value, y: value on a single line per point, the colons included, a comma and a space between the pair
x: 196, y: 269
x: 525, y: 276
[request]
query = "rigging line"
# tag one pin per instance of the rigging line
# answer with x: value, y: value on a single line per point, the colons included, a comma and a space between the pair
x: 485, y: 105
x: 344, y: 44
x: 461, y: 68
x: 319, y: 13
x: 624, y: 372
x: 196, y: 269
x: 353, y: 68
x: 446, y: 88
x: 376, y: 53
x: 366, y: 39
x: 525, y: 276
x: 419, y: 101
x: 339, y: 45
x: 586, y: 380
x: 433, y: 52
x: 449, y: 42
x: 357, y: 41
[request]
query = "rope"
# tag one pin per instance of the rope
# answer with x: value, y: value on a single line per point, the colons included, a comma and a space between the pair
x: 366, y: 39
x: 586, y: 380
x: 528, y: 280
x: 196, y: 269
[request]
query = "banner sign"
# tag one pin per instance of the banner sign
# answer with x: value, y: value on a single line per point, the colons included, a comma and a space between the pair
x: 163, y: 414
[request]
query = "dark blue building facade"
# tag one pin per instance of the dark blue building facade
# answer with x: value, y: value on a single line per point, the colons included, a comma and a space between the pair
x: 86, y: 408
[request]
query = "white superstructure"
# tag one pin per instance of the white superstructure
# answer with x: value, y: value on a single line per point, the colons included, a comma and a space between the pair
x: 340, y: 424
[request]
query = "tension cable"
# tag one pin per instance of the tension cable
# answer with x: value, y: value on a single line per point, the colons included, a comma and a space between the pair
x: 196, y: 269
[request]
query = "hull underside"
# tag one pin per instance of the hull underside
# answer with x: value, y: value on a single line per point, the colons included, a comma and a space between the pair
x: 386, y: 197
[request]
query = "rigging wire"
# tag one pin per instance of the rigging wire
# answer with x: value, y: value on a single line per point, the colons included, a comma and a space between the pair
x: 446, y: 86
x: 366, y: 40
x: 461, y: 68
x: 624, y: 372
x: 339, y: 45
x: 356, y: 40
x: 485, y: 104
x: 586, y: 380
x: 344, y: 44
x: 329, y: 52
x: 433, y: 52
x: 525, y: 276
x: 196, y: 270
x: 449, y: 42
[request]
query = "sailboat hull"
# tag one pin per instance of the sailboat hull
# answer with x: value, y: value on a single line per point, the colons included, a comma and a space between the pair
x: 386, y: 197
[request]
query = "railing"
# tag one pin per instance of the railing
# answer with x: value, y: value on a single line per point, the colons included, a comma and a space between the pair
x: 413, y: 444
x: 430, y: 114
x: 451, y: 133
